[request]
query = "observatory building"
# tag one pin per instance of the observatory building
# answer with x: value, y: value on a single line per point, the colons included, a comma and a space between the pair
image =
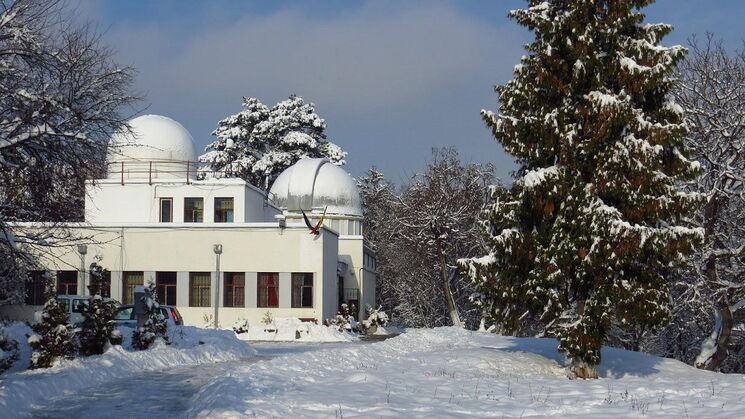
x: 216, y: 243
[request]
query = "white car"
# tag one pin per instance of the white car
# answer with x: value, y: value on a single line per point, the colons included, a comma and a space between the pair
x: 125, y: 315
x: 74, y: 305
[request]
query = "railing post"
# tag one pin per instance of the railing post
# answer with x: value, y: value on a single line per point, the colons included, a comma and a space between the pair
x: 188, y: 167
x: 122, y: 173
x: 150, y: 174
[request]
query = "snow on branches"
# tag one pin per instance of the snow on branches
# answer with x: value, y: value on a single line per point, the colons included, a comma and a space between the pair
x: 259, y: 142
x: 595, y: 218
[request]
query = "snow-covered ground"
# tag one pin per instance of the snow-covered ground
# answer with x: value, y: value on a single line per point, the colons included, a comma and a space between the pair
x: 291, y: 329
x: 22, y: 390
x: 449, y: 372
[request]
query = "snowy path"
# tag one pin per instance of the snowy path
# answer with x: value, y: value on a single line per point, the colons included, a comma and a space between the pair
x: 169, y: 393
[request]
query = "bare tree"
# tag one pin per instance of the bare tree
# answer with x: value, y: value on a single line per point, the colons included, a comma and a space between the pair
x: 712, y: 91
x: 61, y: 98
x: 420, y: 231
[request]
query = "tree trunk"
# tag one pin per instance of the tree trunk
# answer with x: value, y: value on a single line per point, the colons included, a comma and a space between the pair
x: 714, y: 349
x: 452, y: 309
x: 584, y: 370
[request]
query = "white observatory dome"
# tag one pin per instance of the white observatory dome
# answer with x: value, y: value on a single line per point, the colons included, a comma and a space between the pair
x: 315, y: 184
x: 156, y: 147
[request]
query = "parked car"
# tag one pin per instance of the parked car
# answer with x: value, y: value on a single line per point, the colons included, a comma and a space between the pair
x: 74, y: 305
x: 125, y: 315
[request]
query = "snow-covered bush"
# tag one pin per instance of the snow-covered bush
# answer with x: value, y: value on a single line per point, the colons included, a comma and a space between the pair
x: 155, y: 325
x: 99, y: 326
x: 53, y: 337
x: 375, y: 317
x: 344, y: 321
x: 9, y: 352
x: 240, y: 326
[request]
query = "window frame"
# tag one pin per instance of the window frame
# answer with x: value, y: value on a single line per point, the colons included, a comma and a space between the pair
x: 263, y: 293
x: 166, y: 285
x: 221, y: 215
x: 170, y: 210
x: 128, y: 289
x: 67, y: 282
x: 35, y: 289
x: 236, y: 298
x: 197, y: 214
x: 300, y: 288
x: 197, y: 293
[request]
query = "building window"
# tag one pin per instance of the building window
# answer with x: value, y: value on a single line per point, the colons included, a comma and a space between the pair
x: 302, y: 290
x: 267, y: 293
x: 35, y: 288
x: 166, y: 210
x: 235, y: 286
x: 130, y: 280
x: 193, y: 210
x: 223, y: 210
x: 199, y: 289
x: 105, y: 290
x: 67, y: 282
x: 165, y: 286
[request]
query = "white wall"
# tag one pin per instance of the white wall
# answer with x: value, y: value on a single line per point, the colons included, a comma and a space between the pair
x: 248, y: 249
x: 139, y: 202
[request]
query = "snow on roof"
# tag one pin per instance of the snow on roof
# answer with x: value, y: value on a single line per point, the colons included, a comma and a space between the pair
x: 152, y: 138
x: 316, y: 184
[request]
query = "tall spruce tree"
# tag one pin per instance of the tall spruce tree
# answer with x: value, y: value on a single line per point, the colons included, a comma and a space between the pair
x: 595, y: 218
x: 54, y: 337
x: 99, y: 317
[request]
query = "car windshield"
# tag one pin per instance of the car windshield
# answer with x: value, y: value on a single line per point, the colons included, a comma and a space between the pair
x: 79, y: 305
x: 124, y: 313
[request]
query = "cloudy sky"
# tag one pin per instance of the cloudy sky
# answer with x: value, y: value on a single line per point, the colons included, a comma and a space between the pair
x: 392, y: 79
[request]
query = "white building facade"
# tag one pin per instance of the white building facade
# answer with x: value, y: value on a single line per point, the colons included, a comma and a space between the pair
x: 217, y: 247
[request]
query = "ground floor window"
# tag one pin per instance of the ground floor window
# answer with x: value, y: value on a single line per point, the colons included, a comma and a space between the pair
x: 130, y: 280
x: 105, y: 290
x: 165, y: 286
x: 67, y: 282
x: 267, y: 293
x: 35, y: 288
x: 302, y: 290
x: 199, y: 289
x: 235, y: 286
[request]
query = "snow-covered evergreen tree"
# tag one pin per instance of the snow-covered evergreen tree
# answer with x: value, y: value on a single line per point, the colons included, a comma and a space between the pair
x: 53, y: 336
x: 99, y: 326
x: 236, y: 149
x: 595, y: 218
x: 155, y: 325
x: 9, y: 351
x: 259, y: 143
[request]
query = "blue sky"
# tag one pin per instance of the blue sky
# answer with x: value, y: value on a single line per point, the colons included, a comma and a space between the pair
x: 392, y: 79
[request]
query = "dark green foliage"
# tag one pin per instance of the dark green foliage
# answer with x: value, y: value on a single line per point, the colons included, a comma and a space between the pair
x: 53, y: 337
x: 595, y: 217
x: 98, y: 327
x: 9, y: 352
x: 155, y: 325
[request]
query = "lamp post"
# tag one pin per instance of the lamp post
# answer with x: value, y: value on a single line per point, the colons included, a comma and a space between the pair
x: 218, y: 251
x: 82, y: 249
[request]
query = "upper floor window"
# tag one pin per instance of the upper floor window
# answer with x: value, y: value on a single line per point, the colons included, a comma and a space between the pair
x: 193, y: 210
x: 67, y: 282
x: 166, y: 210
x: 223, y: 210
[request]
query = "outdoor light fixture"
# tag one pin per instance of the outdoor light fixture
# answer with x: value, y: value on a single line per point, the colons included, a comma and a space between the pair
x: 82, y: 249
x: 217, y: 248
